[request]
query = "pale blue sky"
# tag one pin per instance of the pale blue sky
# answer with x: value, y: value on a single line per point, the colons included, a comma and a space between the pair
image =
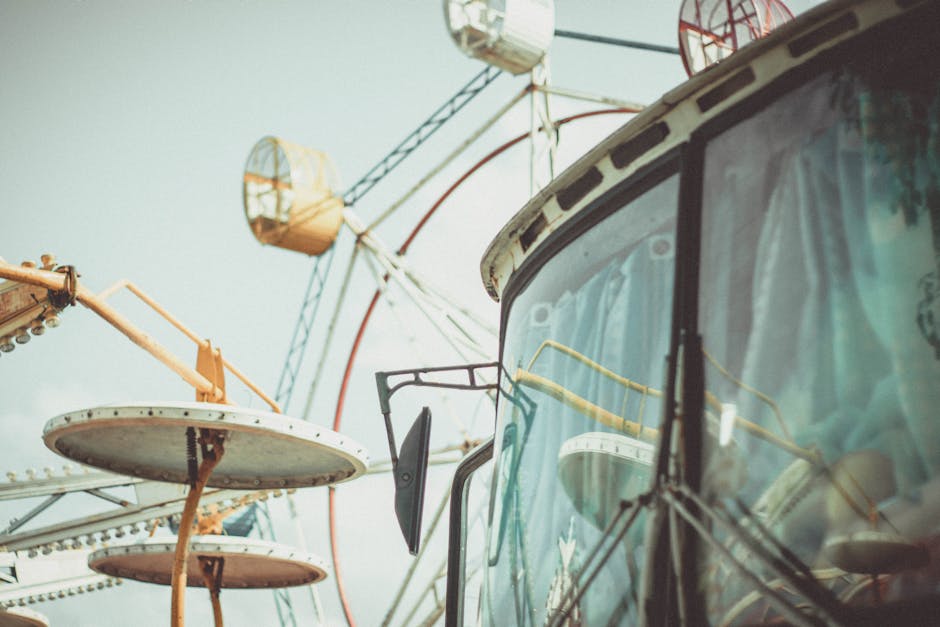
x: 125, y: 128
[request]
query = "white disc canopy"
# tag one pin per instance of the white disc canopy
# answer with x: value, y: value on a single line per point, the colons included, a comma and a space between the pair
x: 598, y: 470
x: 22, y: 617
x: 249, y: 563
x: 263, y: 450
x: 513, y: 35
x: 874, y: 553
x: 289, y: 196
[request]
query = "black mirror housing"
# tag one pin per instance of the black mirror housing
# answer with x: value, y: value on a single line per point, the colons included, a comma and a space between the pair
x: 411, y: 473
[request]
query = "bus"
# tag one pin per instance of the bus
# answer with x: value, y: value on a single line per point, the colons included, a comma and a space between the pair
x: 719, y: 364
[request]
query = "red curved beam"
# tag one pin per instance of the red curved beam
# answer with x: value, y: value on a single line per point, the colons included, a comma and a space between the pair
x: 337, y: 418
x: 338, y: 415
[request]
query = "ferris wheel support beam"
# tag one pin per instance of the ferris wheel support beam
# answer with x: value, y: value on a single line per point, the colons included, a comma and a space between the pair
x: 302, y: 539
x: 421, y: 134
x: 328, y: 340
x: 282, y: 600
x: 540, y: 125
x: 613, y: 41
x: 588, y: 97
x: 471, y: 139
x: 441, y: 573
x: 305, y: 320
x: 406, y: 581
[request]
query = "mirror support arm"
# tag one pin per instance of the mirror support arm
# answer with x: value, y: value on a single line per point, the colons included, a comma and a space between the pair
x: 387, y: 383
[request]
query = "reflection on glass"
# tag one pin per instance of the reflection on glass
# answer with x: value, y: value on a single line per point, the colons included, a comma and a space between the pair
x: 819, y: 314
x: 586, y: 342
x: 477, y: 490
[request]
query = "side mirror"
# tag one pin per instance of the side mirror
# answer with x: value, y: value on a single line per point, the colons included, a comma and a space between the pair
x: 410, y: 469
x: 411, y: 473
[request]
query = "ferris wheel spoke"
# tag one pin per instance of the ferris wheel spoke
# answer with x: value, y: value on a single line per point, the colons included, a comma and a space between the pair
x: 454, y: 416
x: 418, y: 289
x: 428, y: 308
x: 330, y: 331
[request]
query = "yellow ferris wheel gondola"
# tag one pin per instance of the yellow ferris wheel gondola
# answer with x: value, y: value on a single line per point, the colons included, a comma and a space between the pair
x: 289, y: 197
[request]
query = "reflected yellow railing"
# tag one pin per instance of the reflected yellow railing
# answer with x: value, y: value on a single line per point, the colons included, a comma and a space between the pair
x: 584, y: 406
x: 637, y: 429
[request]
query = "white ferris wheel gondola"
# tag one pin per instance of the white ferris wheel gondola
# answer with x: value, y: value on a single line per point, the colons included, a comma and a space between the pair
x: 513, y: 35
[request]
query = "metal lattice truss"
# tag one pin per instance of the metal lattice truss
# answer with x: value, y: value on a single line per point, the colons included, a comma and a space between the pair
x: 25, y: 580
x: 48, y: 562
x: 156, y: 504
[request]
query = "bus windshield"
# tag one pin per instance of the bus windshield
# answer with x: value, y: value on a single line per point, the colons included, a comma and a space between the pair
x: 820, y: 319
x: 586, y: 343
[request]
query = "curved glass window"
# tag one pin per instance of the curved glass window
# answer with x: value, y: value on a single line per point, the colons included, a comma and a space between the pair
x: 820, y: 316
x: 584, y: 358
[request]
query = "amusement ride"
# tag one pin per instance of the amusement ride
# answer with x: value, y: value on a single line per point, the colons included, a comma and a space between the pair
x: 674, y: 462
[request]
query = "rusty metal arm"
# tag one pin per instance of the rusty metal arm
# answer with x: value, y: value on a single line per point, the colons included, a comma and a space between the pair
x: 202, y: 343
x: 58, y: 282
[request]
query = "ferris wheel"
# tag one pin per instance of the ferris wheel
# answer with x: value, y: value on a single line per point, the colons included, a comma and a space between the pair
x: 291, y: 201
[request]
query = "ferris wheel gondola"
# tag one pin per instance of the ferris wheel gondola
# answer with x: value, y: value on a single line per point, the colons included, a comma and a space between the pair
x: 513, y: 35
x: 711, y: 30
